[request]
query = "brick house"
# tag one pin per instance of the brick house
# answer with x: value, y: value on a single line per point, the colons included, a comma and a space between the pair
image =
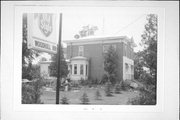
x: 86, y: 57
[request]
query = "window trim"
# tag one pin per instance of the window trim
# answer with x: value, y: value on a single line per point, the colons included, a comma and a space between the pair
x: 81, y: 50
x: 86, y: 69
x: 81, y: 69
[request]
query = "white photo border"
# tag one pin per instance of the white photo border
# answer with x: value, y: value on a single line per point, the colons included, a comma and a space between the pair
x: 20, y: 9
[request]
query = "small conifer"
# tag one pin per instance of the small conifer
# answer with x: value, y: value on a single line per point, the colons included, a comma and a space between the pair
x: 84, y: 99
x: 97, y: 95
x: 64, y: 100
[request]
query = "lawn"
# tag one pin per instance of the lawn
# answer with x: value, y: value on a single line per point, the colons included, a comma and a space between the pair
x: 48, y: 96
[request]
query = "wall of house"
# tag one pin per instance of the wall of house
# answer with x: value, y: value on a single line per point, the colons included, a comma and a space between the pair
x: 120, y: 63
x: 128, y: 60
x: 128, y: 51
x: 94, y: 52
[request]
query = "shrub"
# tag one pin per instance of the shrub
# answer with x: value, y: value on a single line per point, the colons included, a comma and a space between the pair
x: 146, y: 97
x: 97, y: 95
x: 108, y: 88
x: 31, y: 92
x: 117, y: 88
x: 104, y: 79
x: 74, y: 85
x: 95, y: 81
x: 84, y: 82
x: 64, y: 100
x: 27, y: 91
x: 84, y: 99
x: 125, y: 85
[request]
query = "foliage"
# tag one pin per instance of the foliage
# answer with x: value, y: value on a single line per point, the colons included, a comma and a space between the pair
x: 86, y: 31
x: 111, y: 64
x: 97, y: 95
x: 149, y: 41
x: 31, y: 92
x: 124, y: 85
x: 84, y: 82
x: 94, y: 81
x: 118, y: 88
x: 64, y: 100
x: 84, y: 99
x: 146, y: 97
x: 108, y: 89
x: 147, y: 59
x: 89, y: 82
x: 63, y: 65
x: 104, y: 79
x: 27, y: 54
x: 138, y: 66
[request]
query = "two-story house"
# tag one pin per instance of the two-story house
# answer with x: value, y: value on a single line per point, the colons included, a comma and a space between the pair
x: 86, y: 57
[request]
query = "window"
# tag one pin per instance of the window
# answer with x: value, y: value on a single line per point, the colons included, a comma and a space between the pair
x: 75, y: 69
x: 81, y: 51
x: 49, y: 70
x: 126, y: 67
x: 132, y: 69
x: 70, y: 69
x: 81, y: 69
x: 86, y: 70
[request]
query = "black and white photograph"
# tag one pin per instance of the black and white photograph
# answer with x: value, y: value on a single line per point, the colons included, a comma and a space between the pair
x: 91, y: 58
x: 103, y: 59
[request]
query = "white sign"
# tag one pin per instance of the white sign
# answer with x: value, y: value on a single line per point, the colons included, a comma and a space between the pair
x: 42, y: 32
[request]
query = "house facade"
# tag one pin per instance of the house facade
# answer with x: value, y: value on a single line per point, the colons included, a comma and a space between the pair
x: 86, y: 57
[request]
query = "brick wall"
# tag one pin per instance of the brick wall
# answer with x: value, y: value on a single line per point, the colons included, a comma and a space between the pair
x: 94, y: 52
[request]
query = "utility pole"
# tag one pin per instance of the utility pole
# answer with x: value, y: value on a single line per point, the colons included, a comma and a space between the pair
x: 59, y: 61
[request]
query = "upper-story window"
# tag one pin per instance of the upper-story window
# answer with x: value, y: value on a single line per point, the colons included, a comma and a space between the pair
x: 81, y: 51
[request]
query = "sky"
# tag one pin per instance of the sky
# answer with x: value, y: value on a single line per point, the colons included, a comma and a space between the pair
x: 110, y: 22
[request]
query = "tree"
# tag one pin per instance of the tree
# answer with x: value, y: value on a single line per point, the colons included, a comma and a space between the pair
x: 63, y: 65
x: 84, y: 99
x: 147, y: 58
x: 108, y: 89
x: 149, y: 41
x: 97, y: 95
x: 138, y: 65
x: 27, y: 54
x: 111, y: 64
x: 64, y: 100
x: 86, y: 31
x: 31, y: 92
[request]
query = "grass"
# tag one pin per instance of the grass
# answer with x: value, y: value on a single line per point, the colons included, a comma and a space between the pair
x: 48, y: 97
